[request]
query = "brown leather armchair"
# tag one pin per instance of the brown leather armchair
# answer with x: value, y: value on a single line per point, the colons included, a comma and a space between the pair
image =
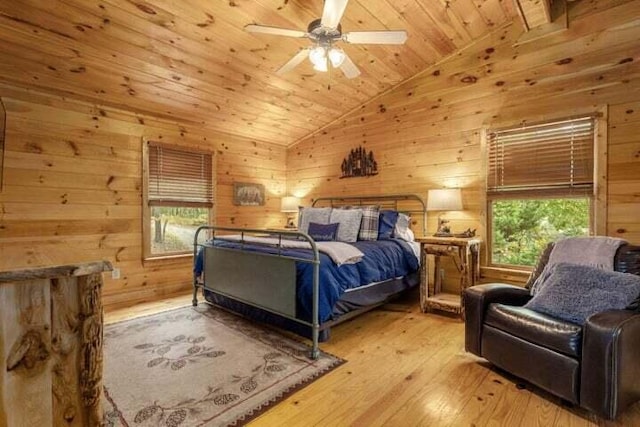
x: 595, y: 366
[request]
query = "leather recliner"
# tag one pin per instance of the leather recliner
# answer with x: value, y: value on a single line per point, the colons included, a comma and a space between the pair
x: 595, y: 366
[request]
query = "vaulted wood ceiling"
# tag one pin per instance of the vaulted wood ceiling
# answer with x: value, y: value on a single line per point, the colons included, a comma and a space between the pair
x: 191, y: 60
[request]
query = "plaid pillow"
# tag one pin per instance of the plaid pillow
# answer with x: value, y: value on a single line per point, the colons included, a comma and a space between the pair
x: 369, y: 223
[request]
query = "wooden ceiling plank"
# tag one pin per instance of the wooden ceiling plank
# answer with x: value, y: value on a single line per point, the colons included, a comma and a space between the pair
x: 93, y: 74
x: 587, y: 75
x: 470, y: 16
x: 243, y: 76
x: 509, y: 9
x: 403, y: 59
x: 191, y: 60
x: 502, y: 64
x: 521, y: 74
x: 546, y: 8
x: 491, y: 11
x: 120, y: 102
x: 432, y: 34
x: 450, y: 24
x: 169, y: 79
x: 90, y: 108
x: 425, y: 53
x: 240, y: 77
x: 378, y: 16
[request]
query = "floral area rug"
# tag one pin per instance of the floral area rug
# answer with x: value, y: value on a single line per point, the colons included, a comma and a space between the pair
x: 200, y: 366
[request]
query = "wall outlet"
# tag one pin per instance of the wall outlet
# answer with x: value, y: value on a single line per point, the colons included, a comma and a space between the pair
x: 115, y: 273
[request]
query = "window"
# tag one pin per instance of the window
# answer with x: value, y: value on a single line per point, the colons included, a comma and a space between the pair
x: 540, y: 187
x: 178, y: 198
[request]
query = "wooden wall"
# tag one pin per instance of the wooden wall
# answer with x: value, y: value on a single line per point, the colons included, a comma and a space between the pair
x: 426, y: 133
x: 72, y: 189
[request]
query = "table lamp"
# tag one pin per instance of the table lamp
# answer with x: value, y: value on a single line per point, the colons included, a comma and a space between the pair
x: 446, y: 199
x: 289, y: 205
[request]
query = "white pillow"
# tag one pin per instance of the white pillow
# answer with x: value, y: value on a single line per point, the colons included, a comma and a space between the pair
x: 408, y: 236
x: 317, y: 215
x: 349, y: 220
x: 402, y: 230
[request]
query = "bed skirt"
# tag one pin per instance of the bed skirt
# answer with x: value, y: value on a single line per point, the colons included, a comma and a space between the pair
x: 363, y: 298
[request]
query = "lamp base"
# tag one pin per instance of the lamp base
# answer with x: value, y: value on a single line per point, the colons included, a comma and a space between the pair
x: 290, y: 223
x: 443, y: 228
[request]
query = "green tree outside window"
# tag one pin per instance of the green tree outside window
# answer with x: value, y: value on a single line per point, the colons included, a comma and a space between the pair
x: 522, y: 228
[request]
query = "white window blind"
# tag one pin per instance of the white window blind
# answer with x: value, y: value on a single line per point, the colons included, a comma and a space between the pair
x: 554, y: 156
x: 179, y: 176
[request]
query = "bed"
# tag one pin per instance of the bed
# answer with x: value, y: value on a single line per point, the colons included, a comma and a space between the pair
x: 290, y: 280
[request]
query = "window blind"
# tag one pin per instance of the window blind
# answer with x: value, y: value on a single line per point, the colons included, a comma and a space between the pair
x: 542, y: 158
x: 179, y: 176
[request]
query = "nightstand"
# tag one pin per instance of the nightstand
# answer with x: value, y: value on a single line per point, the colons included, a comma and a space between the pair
x: 465, y: 253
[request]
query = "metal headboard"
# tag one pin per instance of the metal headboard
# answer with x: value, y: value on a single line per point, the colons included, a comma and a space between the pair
x: 411, y: 204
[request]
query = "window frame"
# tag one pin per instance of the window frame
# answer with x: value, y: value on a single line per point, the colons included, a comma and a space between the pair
x: 147, y: 255
x: 598, y: 197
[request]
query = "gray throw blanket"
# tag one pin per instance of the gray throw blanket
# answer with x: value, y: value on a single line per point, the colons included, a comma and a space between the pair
x: 598, y: 251
x: 339, y: 252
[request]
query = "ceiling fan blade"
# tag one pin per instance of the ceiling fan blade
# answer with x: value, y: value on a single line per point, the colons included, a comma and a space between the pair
x: 293, y: 62
x: 253, y: 28
x: 376, y: 37
x: 349, y: 68
x: 332, y: 13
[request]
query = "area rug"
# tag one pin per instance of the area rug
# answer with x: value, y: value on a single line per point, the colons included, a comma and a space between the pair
x: 200, y: 366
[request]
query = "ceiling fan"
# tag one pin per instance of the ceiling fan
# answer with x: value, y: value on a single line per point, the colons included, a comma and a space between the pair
x: 324, y: 33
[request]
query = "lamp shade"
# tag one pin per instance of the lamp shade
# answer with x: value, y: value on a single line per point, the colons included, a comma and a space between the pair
x: 446, y: 199
x: 289, y: 204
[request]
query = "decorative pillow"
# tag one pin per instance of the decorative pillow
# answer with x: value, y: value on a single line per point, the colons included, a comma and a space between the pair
x: 369, y: 223
x: 540, y: 265
x: 574, y: 292
x: 317, y: 215
x: 387, y: 224
x: 401, y: 230
x: 323, y: 232
x: 349, y: 220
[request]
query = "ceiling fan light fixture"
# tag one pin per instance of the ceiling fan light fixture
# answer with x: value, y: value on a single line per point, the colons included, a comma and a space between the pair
x: 318, y: 55
x: 336, y: 56
x: 321, y: 66
x: 324, y: 33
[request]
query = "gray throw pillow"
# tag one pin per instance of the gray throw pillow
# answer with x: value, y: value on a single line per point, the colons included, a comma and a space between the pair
x: 574, y: 292
x: 317, y: 215
x: 349, y: 220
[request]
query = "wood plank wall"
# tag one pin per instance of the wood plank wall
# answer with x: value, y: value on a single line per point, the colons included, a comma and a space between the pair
x: 72, y: 189
x: 426, y: 133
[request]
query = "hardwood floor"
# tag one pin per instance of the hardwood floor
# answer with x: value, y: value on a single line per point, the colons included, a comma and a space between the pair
x: 406, y: 368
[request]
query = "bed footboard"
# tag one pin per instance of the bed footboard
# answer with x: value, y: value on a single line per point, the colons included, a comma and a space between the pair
x: 263, y: 280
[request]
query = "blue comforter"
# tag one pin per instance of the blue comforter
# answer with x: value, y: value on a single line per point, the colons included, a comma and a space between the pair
x: 383, y: 260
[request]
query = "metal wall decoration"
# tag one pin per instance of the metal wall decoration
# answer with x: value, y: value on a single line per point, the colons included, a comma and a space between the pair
x: 359, y: 162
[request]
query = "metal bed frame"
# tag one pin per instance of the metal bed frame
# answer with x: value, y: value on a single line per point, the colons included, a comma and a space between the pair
x: 268, y: 280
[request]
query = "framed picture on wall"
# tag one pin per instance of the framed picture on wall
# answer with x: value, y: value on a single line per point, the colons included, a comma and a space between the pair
x: 248, y: 194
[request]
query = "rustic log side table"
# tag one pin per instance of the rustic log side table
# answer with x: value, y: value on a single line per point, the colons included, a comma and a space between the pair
x: 465, y: 253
